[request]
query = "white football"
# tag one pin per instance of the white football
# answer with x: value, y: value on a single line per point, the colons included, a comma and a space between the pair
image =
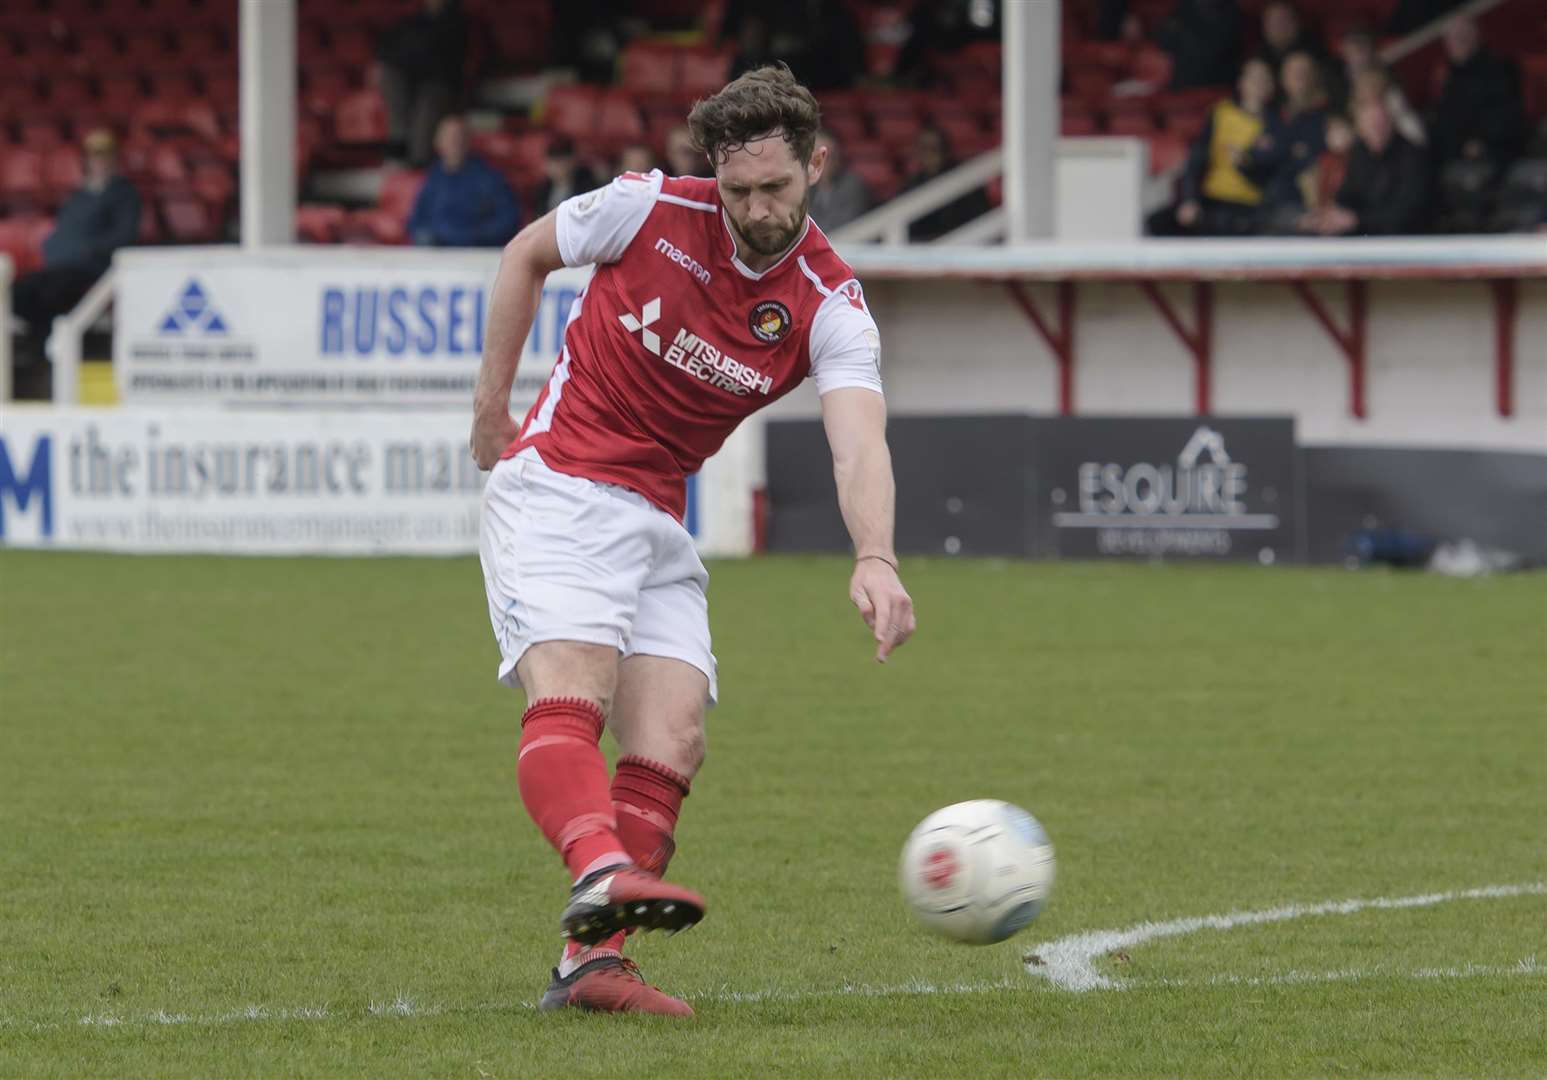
x: 977, y: 871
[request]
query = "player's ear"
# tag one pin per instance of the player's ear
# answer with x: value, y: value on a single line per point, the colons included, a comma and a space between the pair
x: 815, y: 166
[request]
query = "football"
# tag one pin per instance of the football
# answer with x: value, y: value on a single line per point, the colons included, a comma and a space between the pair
x: 977, y: 871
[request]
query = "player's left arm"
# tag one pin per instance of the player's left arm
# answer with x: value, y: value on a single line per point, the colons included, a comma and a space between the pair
x: 855, y: 420
x: 846, y: 367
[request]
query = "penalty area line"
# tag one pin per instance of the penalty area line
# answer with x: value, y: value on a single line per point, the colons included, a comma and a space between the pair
x: 1069, y: 963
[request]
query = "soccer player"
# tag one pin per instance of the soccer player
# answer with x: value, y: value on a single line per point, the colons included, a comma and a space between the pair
x: 711, y: 298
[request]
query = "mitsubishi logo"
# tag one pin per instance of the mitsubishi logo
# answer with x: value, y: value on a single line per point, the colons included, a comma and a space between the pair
x: 651, y: 313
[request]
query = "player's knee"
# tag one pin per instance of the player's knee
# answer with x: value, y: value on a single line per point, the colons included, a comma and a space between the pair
x: 691, y: 747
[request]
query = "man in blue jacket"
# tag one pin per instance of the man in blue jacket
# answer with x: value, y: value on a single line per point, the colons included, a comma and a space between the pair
x: 464, y: 202
x: 100, y: 217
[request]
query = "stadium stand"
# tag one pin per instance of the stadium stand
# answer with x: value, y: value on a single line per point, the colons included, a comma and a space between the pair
x: 162, y: 74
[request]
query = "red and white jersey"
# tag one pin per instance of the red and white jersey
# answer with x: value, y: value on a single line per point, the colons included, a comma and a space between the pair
x: 675, y: 341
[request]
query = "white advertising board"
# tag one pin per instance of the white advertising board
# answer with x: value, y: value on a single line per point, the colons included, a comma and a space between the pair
x: 270, y: 482
x: 319, y: 326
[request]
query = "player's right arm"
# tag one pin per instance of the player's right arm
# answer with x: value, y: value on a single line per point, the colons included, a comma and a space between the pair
x: 518, y: 290
x: 592, y: 228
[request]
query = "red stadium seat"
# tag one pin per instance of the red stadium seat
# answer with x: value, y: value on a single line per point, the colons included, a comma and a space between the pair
x: 880, y: 176
x: 571, y: 110
x: 620, y: 121
x: 21, y: 171
x: 318, y: 224
x: 167, y: 166
x: 62, y: 169
x: 373, y: 226
x: 848, y: 126
x: 1153, y: 66
x: 67, y: 92
x: 648, y: 67
x: 148, y: 49
x: 399, y: 189
x: 122, y: 89
x: 42, y: 133
x: 361, y: 118
x: 188, y: 220
x: 703, y: 71
x: 1130, y: 118
x: 1078, y: 118
x: 213, y: 183
x: 896, y: 128
x: 22, y: 239
x: 353, y: 48
x: 324, y: 88
x: 1167, y: 151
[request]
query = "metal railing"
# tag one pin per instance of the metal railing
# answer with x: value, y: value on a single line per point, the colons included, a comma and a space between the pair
x: 889, y: 222
x: 65, y: 340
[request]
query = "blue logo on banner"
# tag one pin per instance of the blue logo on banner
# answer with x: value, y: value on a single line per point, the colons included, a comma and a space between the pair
x: 192, y: 310
x: 35, y: 482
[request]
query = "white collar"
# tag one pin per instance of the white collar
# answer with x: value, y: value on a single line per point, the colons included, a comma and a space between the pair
x: 746, y: 271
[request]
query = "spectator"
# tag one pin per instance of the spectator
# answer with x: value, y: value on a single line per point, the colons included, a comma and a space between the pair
x: 1204, y: 40
x: 464, y: 202
x: 636, y: 158
x: 563, y: 176
x: 422, y: 58
x: 1479, y: 113
x: 931, y: 159
x: 682, y: 157
x: 818, y: 39
x: 1376, y: 84
x: 1387, y: 186
x: 754, y: 45
x: 95, y: 221
x: 840, y: 195
x: 1215, y: 199
x: 1283, y: 33
x: 1282, y: 161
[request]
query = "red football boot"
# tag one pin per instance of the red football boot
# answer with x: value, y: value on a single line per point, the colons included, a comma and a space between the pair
x: 624, y: 897
x: 610, y: 984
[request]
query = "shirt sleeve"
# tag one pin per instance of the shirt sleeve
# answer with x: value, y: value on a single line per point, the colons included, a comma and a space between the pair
x: 845, y: 344
x: 598, y: 226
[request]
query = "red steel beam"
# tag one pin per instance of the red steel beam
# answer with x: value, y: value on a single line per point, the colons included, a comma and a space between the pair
x: 1505, y: 305
x: 1352, y: 342
x: 1059, y: 339
x: 1199, y: 341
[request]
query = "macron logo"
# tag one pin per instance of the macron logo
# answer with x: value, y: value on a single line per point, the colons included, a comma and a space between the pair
x: 641, y: 323
x: 682, y: 259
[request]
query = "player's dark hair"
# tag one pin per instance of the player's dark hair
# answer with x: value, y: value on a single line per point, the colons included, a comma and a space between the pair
x: 764, y: 102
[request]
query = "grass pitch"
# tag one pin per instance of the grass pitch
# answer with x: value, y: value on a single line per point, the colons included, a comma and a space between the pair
x: 259, y: 818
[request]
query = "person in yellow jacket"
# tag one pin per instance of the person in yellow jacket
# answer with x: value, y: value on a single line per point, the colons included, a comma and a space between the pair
x: 1214, y: 198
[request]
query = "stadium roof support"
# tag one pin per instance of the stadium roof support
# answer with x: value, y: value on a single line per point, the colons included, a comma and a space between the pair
x: 268, y: 100
x: 1030, y: 89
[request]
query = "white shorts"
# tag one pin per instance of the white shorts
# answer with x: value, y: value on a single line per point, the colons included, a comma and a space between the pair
x: 570, y: 559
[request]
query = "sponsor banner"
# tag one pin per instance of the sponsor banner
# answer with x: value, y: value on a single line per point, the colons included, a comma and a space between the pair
x: 325, y: 327
x: 269, y: 482
x: 1167, y: 486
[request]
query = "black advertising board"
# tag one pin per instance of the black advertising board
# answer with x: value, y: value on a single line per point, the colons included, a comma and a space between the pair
x: 1152, y: 487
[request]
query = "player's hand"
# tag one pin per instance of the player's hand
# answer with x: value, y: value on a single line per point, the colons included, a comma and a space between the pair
x: 492, y: 432
x: 883, y: 603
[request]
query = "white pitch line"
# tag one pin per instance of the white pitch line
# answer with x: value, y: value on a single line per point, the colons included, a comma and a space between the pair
x: 1068, y: 963
x: 404, y: 1008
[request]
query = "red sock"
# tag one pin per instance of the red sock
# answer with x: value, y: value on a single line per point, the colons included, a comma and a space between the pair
x: 647, y: 797
x: 563, y: 779
x: 576, y: 954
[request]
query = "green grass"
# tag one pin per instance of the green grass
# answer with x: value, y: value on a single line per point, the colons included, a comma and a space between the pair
x: 289, y: 784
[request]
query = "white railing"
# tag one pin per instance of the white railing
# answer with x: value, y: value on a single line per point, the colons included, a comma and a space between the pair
x: 889, y: 222
x: 66, y: 339
x: 7, y: 271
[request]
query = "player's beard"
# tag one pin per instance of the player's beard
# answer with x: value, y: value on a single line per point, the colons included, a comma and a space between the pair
x: 768, y: 238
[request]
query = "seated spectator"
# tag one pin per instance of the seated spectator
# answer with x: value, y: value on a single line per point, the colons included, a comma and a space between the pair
x: 1204, y: 40
x: 1376, y: 84
x: 422, y: 58
x: 1479, y: 113
x: 1281, y: 162
x: 563, y: 176
x: 1284, y: 33
x: 840, y: 195
x: 931, y: 159
x: 1387, y: 186
x: 682, y: 157
x: 1332, y: 166
x: 635, y: 158
x: 95, y: 221
x: 1215, y: 199
x: 464, y: 202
